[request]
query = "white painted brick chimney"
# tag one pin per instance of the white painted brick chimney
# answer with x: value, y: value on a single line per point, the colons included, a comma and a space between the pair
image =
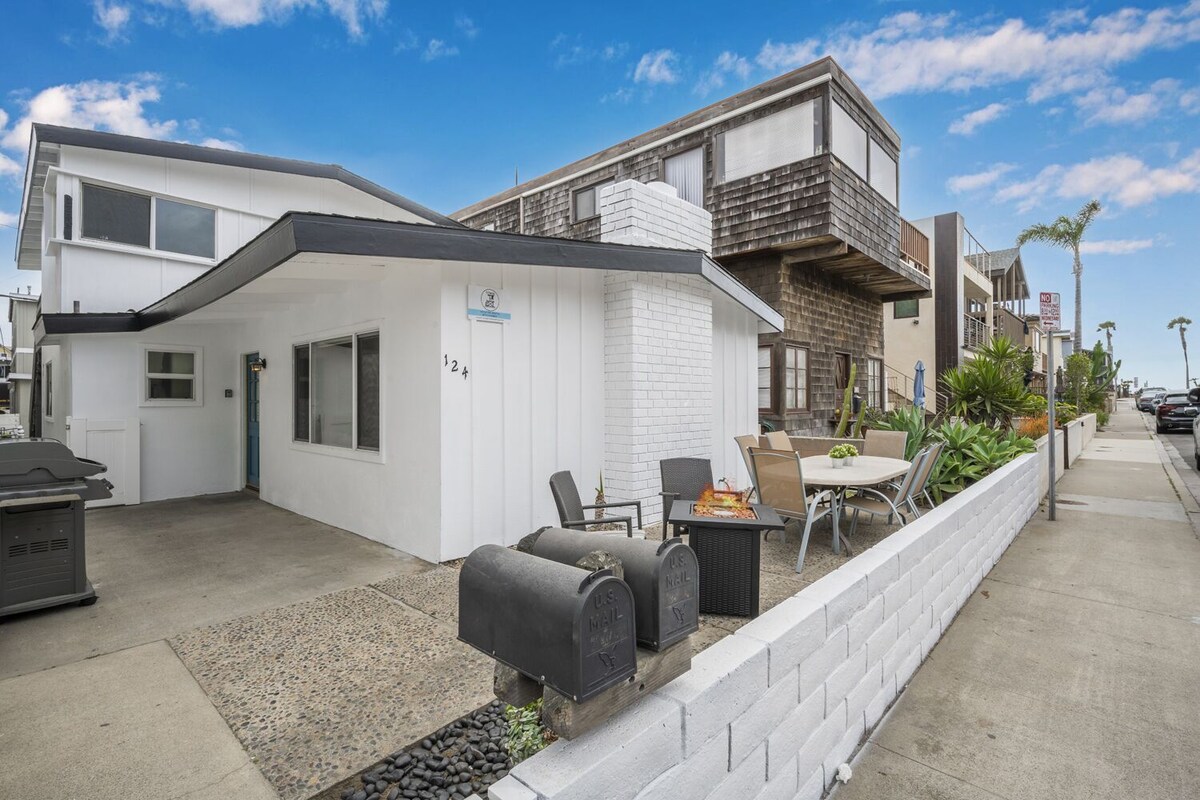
x: 658, y: 399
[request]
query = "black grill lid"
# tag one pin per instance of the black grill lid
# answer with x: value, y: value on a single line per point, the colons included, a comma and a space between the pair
x: 41, y: 461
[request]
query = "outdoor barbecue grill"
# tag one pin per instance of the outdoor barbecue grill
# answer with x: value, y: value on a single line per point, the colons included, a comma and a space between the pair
x: 43, y: 488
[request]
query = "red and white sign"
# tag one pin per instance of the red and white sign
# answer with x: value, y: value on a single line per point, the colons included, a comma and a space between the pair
x: 1051, y: 317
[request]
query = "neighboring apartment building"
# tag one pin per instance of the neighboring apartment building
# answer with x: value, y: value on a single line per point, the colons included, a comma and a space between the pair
x: 22, y: 313
x: 977, y: 294
x: 212, y: 321
x: 801, y: 177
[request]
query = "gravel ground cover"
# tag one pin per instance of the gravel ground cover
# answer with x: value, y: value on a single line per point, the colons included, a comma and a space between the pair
x: 461, y: 759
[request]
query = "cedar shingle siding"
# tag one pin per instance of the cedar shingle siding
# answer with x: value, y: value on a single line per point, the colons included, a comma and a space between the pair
x: 812, y: 238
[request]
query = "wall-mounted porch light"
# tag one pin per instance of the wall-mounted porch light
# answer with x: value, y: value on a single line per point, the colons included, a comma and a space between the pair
x: 258, y: 364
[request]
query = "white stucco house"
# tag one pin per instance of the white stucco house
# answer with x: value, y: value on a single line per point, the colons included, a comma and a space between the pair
x: 213, y: 321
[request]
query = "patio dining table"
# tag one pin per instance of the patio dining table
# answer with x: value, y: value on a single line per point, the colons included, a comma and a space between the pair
x: 866, y: 471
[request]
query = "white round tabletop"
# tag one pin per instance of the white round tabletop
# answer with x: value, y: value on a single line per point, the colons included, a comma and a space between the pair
x: 866, y: 471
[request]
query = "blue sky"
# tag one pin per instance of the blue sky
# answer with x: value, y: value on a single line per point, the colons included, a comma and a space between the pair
x: 1010, y: 114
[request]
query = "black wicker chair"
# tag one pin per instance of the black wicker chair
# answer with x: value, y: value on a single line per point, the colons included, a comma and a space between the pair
x: 571, y: 508
x: 682, y: 479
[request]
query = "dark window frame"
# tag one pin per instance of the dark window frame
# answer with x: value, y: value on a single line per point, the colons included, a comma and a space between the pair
x: 876, y: 401
x: 784, y: 369
x: 771, y: 382
x: 590, y: 187
x: 896, y: 309
x: 356, y: 401
x: 152, y: 222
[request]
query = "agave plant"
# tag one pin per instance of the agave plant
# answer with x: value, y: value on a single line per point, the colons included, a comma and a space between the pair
x: 911, y: 420
x: 989, y: 388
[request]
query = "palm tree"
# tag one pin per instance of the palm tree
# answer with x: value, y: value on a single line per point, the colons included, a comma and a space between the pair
x: 1067, y: 233
x: 1182, y: 323
x: 1108, y: 327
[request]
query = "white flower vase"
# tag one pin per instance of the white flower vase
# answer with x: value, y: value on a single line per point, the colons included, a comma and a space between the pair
x: 850, y: 460
x: 837, y: 463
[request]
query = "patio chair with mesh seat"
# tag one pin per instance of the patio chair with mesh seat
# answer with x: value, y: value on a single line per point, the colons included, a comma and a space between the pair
x: 888, y: 444
x: 682, y: 479
x: 921, y: 484
x: 778, y: 440
x: 779, y: 481
x: 571, y: 508
x: 887, y: 502
x: 744, y: 444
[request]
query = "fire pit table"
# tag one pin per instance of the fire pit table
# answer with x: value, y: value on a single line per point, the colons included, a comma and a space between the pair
x: 726, y: 540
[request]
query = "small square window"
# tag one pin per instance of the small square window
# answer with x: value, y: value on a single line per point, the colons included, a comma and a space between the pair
x: 796, y: 378
x: 171, y: 376
x: 906, y: 309
x: 586, y: 202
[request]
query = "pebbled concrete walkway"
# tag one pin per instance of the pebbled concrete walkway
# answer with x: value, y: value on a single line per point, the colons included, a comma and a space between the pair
x: 1074, y: 669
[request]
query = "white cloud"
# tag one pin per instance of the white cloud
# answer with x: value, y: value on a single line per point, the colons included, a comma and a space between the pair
x: 622, y: 95
x: 437, y: 48
x: 657, y: 66
x: 1116, y: 247
x: 1189, y: 101
x: 911, y: 52
x: 8, y: 166
x: 113, y: 18
x: 728, y: 63
x: 466, y: 26
x: 8, y: 219
x: 107, y: 105
x: 243, y: 13
x: 222, y: 144
x: 1115, y: 106
x: 1122, y: 179
x: 978, y: 180
x: 571, y: 50
x: 968, y: 123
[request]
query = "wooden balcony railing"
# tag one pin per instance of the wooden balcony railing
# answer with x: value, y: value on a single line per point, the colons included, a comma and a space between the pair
x: 914, y: 246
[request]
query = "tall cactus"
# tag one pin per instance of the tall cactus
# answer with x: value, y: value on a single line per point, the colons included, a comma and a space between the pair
x: 847, y: 403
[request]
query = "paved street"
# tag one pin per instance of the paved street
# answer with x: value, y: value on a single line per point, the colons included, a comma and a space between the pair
x: 1074, y: 670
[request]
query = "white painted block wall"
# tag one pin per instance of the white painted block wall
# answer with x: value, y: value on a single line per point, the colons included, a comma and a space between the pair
x: 773, y: 709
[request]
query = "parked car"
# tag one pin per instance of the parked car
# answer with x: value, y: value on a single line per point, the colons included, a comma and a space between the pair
x: 1196, y: 441
x: 1177, y: 410
x: 1146, y: 396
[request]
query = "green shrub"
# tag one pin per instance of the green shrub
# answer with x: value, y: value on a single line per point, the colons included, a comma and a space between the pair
x: 911, y: 420
x: 526, y: 735
x: 971, y: 452
x: 989, y: 388
x: 843, y: 451
x: 1102, y: 418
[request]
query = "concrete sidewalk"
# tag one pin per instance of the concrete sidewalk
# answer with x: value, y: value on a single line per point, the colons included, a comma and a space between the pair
x: 1074, y: 669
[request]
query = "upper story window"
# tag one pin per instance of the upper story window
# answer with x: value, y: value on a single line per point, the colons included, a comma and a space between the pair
x: 883, y: 174
x: 849, y: 140
x: 685, y: 172
x: 850, y: 143
x: 784, y: 137
x: 113, y: 215
x: 585, y: 203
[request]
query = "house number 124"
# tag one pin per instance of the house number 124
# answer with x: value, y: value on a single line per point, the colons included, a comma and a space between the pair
x: 452, y: 363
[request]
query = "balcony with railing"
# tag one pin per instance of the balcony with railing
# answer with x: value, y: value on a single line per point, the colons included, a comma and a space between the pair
x: 1007, y: 323
x: 914, y: 246
x: 975, y: 332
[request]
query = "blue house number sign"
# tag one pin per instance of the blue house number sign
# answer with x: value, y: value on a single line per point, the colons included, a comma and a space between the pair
x: 486, y: 304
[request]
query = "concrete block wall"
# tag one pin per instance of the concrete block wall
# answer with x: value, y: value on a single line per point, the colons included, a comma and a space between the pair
x: 772, y: 710
x: 658, y: 401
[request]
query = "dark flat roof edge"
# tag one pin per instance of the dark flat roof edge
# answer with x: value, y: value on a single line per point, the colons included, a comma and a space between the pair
x: 825, y: 66
x: 181, y: 151
x: 305, y: 232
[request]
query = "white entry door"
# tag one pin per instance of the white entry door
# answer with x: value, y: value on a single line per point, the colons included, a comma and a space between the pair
x: 116, y: 443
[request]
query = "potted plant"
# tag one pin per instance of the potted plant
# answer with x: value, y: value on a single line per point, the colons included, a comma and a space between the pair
x: 852, y: 454
x: 839, y: 453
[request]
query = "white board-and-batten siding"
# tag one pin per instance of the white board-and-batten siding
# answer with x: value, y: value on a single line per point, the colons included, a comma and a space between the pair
x: 532, y: 403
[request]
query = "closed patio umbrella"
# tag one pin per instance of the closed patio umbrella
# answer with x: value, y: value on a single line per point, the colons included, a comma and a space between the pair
x: 919, y: 386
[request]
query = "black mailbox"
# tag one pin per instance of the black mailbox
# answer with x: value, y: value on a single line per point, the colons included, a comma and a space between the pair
x: 571, y: 631
x: 663, y: 576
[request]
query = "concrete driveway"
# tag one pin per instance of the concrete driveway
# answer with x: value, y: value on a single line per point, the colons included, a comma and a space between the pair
x: 232, y: 640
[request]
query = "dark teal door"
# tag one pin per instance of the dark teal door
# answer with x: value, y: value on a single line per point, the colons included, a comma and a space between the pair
x: 251, y: 422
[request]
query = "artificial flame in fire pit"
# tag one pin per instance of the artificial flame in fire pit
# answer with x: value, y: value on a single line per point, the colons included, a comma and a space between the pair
x: 723, y: 503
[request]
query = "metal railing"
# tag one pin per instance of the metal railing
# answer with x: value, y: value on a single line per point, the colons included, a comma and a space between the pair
x: 914, y: 245
x: 975, y: 255
x: 975, y: 332
x: 901, y: 389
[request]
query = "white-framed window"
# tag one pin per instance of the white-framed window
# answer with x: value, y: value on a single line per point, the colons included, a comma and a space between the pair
x: 143, y: 220
x: 784, y: 137
x: 172, y: 375
x: 585, y: 203
x: 335, y: 391
x: 685, y: 171
x: 48, y: 400
x: 884, y: 175
x: 849, y: 140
